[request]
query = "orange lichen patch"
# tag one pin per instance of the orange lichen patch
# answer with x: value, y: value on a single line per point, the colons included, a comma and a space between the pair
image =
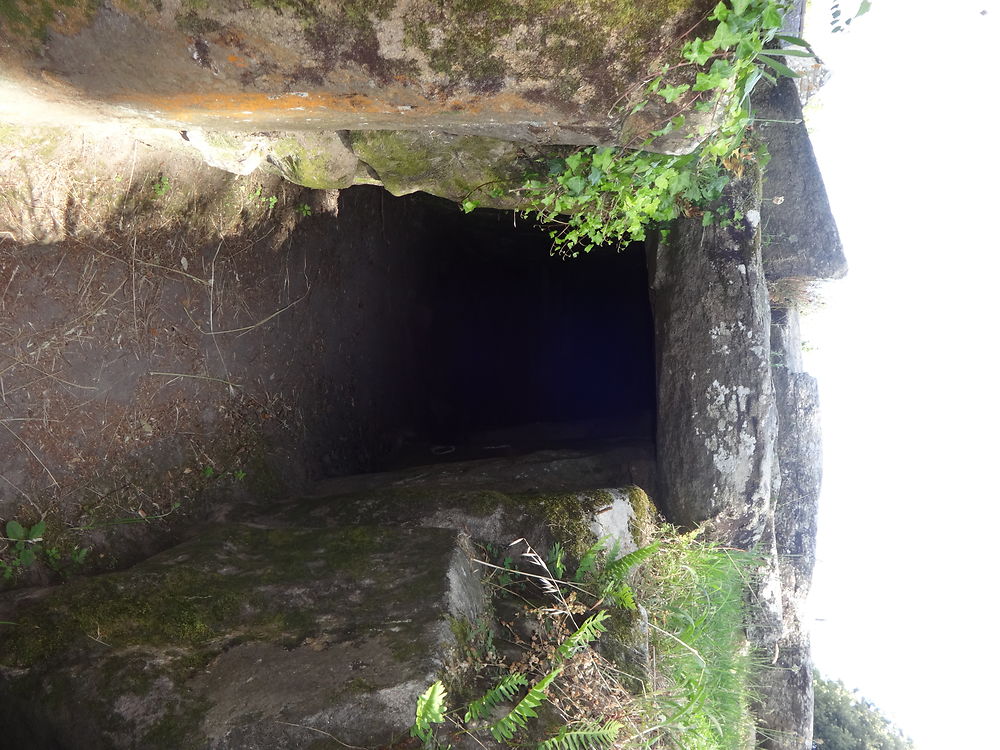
x: 238, y: 61
x: 239, y: 104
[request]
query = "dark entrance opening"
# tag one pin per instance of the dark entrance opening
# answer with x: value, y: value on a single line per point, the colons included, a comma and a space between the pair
x: 501, y: 347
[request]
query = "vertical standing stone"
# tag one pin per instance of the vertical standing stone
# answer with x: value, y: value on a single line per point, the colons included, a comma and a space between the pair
x: 716, y: 418
x: 785, y: 705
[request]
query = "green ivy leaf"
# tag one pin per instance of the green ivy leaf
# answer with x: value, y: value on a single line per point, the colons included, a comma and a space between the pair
x: 719, y: 13
x: 37, y: 531
x: 726, y: 35
x: 698, y: 51
x: 15, y: 530
x: 771, y: 18
x: 670, y: 94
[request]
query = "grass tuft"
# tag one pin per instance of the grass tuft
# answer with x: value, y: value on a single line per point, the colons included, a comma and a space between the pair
x: 563, y: 648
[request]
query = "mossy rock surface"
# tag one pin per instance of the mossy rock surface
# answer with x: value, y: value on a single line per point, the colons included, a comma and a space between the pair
x: 449, y: 166
x: 217, y: 641
x: 331, y: 612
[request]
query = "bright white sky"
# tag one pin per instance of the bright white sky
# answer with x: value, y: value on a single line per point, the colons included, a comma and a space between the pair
x: 906, y: 587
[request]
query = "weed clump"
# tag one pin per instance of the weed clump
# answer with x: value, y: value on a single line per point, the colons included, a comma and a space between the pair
x: 549, y: 677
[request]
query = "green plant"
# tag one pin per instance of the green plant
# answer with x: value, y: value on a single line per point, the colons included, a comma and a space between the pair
x: 587, y: 736
x: 695, y: 597
x: 22, y: 543
x: 517, y: 718
x: 845, y: 720
x: 161, y: 186
x: 267, y: 200
x: 430, y: 710
x: 304, y: 209
x: 503, y: 691
x: 696, y: 697
x: 599, y: 195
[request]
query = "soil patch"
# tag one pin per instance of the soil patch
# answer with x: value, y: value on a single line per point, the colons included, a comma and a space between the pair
x: 150, y: 375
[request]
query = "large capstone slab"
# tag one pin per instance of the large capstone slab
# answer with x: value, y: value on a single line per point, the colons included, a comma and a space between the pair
x: 530, y: 71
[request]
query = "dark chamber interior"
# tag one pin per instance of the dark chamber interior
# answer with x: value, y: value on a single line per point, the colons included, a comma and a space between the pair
x: 494, y: 344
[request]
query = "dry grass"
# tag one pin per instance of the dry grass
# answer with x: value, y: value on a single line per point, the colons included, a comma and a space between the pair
x: 693, y: 691
x: 798, y: 292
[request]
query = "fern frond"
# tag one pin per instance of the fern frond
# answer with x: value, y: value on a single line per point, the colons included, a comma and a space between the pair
x: 620, y: 567
x: 591, y: 630
x: 594, y: 736
x: 430, y: 709
x: 505, y: 690
x: 518, y: 716
x: 556, y: 559
x: 622, y: 595
x: 588, y: 561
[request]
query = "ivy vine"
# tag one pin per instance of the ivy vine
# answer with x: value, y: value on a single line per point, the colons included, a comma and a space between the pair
x: 611, y: 196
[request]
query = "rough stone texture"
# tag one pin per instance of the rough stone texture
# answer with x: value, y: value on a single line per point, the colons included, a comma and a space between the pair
x: 531, y: 71
x: 799, y: 234
x: 766, y: 612
x: 449, y: 166
x: 216, y: 643
x: 800, y: 458
x: 785, y: 709
x: 330, y: 613
x: 545, y: 497
x: 716, y: 418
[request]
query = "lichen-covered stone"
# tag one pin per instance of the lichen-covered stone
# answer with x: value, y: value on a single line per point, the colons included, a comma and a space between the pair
x: 716, y: 419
